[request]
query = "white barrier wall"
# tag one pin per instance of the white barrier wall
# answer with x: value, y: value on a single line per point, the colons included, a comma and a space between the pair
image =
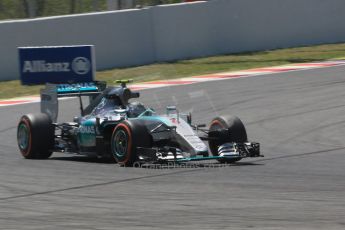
x: 172, y: 32
x: 122, y: 38
x: 227, y: 26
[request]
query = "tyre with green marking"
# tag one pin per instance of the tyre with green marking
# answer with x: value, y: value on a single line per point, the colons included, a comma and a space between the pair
x: 126, y: 138
x: 35, y: 136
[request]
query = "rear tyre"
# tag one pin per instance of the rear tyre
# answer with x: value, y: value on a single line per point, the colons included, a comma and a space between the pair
x: 35, y: 136
x: 236, y: 133
x: 126, y: 137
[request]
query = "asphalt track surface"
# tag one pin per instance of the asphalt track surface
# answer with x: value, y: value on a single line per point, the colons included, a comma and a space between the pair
x: 298, y: 117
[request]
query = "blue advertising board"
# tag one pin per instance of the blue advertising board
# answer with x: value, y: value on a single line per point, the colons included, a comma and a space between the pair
x: 56, y: 64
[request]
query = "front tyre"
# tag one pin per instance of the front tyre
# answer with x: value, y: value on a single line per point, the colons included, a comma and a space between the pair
x: 35, y: 136
x: 236, y: 133
x: 126, y: 137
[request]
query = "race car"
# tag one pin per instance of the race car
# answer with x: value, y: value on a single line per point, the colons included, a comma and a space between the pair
x: 129, y: 132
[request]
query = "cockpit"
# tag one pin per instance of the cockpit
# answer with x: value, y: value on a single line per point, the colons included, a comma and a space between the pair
x: 117, y: 99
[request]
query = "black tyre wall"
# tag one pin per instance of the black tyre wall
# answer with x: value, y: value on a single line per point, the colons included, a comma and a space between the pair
x: 236, y: 132
x: 139, y: 136
x: 41, y: 136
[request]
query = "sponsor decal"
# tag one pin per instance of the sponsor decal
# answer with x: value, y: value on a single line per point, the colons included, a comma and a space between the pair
x: 87, y: 130
x: 81, y: 65
x: 40, y: 66
x: 174, y: 120
x: 76, y: 86
x: 57, y: 64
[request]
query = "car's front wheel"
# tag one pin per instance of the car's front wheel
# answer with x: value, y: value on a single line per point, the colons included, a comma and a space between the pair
x: 236, y: 132
x: 126, y: 138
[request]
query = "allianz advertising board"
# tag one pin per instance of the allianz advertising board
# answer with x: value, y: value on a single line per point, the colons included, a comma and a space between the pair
x: 56, y: 64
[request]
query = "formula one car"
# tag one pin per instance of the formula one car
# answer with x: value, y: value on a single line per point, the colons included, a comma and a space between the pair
x: 128, y: 131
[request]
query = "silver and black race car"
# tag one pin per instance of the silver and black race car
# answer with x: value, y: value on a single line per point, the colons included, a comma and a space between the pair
x: 111, y: 126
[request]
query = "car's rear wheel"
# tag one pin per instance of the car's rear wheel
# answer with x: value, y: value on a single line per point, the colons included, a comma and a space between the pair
x: 126, y: 138
x: 236, y: 133
x: 35, y: 136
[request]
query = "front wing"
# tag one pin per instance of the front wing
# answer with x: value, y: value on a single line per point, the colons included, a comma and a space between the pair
x: 169, y: 154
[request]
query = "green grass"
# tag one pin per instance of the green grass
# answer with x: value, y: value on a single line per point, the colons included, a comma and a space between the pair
x: 200, y: 66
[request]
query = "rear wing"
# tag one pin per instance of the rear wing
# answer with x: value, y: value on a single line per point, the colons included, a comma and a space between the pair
x: 51, y: 93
